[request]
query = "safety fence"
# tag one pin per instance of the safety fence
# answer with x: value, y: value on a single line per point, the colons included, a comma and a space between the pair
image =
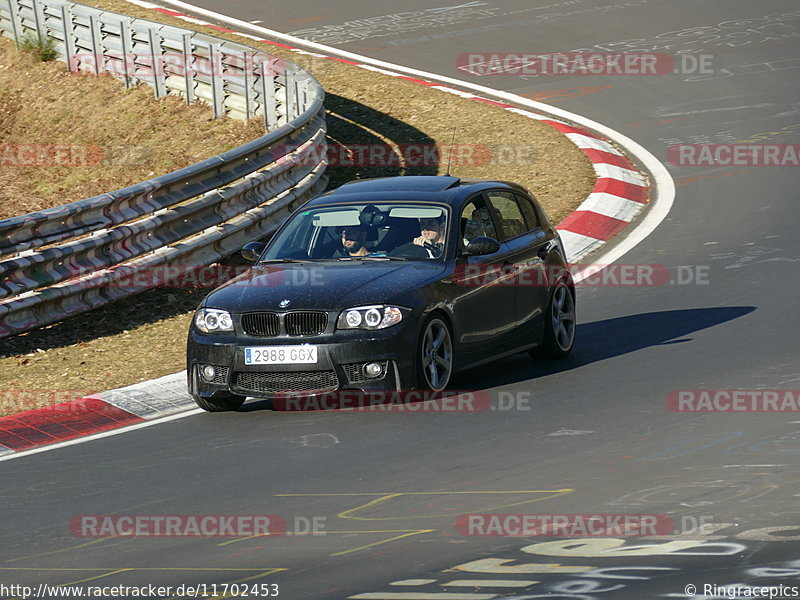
x: 70, y: 259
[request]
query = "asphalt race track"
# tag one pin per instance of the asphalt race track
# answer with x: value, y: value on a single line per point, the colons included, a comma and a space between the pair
x: 591, y: 435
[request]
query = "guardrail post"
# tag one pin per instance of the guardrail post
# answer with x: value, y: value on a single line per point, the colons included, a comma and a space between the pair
x: 298, y: 103
x: 38, y: 15
x: 284, y: 94
x: 97, y: 48
x: 217, y: 94
x: 291, y: 95
x: 129, y: 64
x: 249, y: 94
x: 16, y: 22
x: 157, y: 64
x: 268, y: 100
x: 305, y: 93
x: 188, y: 71
x: 69, y: 43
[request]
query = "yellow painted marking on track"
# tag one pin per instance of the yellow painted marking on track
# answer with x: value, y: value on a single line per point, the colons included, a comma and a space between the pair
x: 138, y: 569
x: 244, y: 539
x: 83, y: 545
x: 349, y: 514
x: 480, y: 583
x: 555, y: 494
x: 346, y: 514
x: 96, y: 577
x: 311, y: 535
x: 267, y: 572
x: 385, y: 496
x: 565, y: 490
x: 405, y: 532
x: 397, y: 537
x: 375, y: 531
x: 421, y: 596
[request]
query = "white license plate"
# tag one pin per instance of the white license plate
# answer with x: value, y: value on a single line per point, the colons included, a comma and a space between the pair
x: 280, y: 355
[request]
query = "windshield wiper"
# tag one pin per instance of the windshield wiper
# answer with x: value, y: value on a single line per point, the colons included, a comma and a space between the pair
x: 373, y: 258
x: 283, y: 260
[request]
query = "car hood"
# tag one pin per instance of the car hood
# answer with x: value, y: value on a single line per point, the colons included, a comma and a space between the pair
x: 323, y: 286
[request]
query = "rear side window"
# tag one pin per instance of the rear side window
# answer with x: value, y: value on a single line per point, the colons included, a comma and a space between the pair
x: 476, y: 221
x: 529, y: 212
x: 508, y: 211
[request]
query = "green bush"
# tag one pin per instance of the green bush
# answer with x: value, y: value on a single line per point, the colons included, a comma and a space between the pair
x: 43, y: 48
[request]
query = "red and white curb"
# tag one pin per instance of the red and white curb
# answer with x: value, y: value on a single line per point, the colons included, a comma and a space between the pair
x: 94, y: 414
x: 619, y: 195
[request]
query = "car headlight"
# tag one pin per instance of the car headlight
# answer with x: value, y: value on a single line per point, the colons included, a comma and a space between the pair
x: 370, y: 317
x: 212, y: 320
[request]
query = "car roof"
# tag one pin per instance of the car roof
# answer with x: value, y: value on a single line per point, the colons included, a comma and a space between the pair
x: 418, y: 188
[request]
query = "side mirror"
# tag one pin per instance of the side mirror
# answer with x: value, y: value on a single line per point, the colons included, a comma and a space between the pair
x: 481, y: 246
x: 252, y: 251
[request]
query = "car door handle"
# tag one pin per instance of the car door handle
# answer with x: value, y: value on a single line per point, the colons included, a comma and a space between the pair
x: 543, y: 251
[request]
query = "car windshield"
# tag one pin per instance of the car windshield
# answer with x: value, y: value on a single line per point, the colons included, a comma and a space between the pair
x: 378, y: 231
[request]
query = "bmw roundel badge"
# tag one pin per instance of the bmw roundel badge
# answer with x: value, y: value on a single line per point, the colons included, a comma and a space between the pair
x: 284, y: 303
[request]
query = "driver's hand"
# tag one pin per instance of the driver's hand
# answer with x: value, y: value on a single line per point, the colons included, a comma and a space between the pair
x: 420, y: 241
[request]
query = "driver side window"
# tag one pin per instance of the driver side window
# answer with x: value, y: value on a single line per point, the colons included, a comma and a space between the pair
x: 476, y: 221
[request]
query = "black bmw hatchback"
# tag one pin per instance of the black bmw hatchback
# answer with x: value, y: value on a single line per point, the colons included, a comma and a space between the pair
x: 385, y: 284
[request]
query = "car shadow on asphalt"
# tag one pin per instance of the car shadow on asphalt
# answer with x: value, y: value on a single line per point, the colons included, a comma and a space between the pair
x: 594, y: 342
x: 601, y: 340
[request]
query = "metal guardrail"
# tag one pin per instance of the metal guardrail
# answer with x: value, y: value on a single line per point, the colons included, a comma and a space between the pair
x: 73, y: 258
x: 237, y: 80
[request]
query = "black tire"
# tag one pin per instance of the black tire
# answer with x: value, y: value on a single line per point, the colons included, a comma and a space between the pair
x: 434, y: 355
x: 559, y: 324
x: 219, y: 404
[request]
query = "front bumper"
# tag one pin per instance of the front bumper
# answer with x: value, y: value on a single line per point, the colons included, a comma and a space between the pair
x: 340, y: 356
